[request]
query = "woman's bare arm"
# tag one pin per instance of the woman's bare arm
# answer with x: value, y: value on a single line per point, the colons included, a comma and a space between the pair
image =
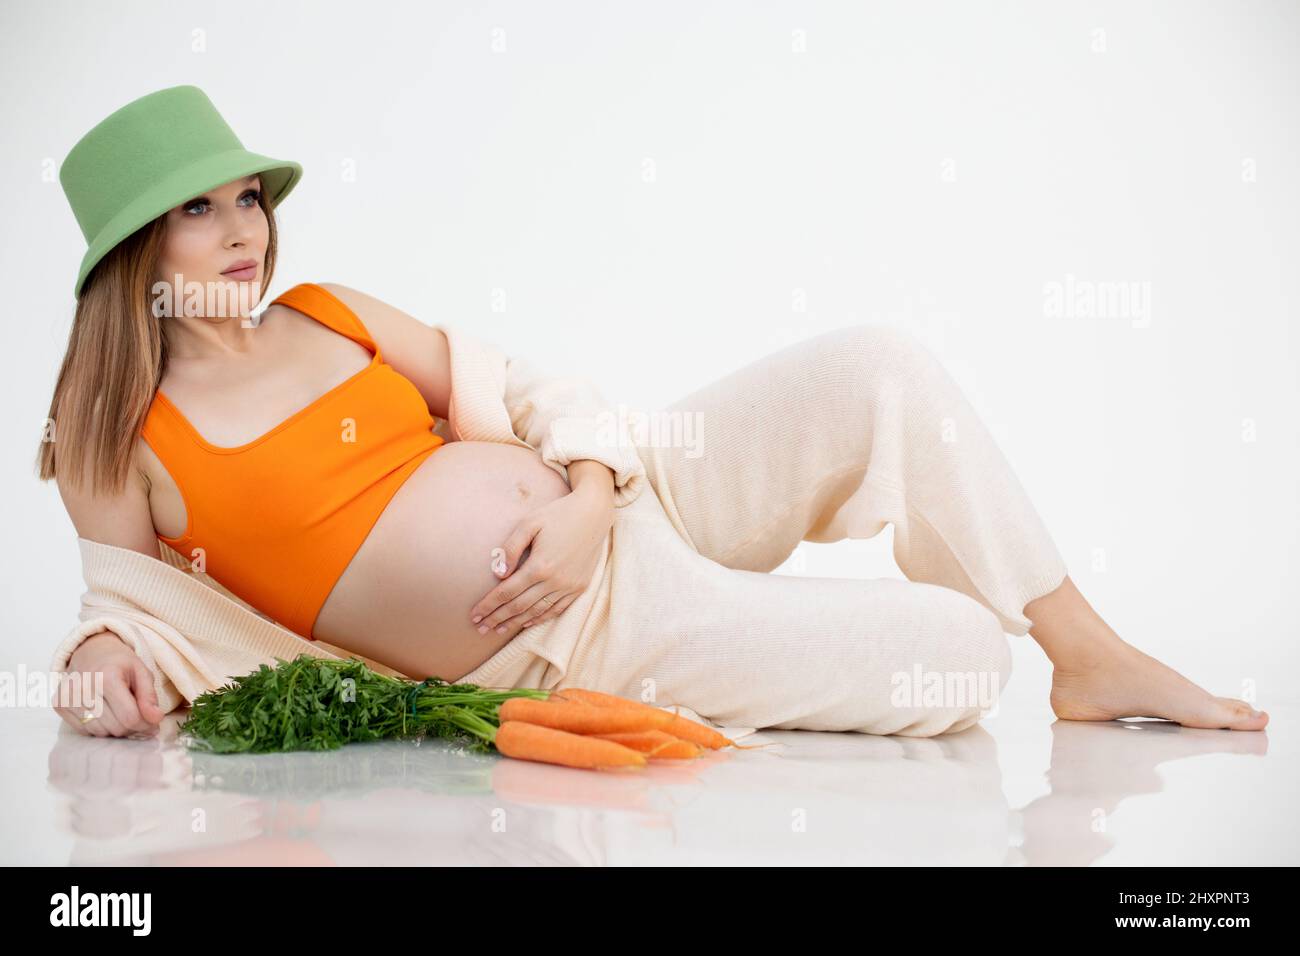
x: 130, y: 702
x: 121, y: 519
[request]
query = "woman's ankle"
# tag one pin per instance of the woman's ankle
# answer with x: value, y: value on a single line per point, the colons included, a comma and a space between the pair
x: 1067, y: 628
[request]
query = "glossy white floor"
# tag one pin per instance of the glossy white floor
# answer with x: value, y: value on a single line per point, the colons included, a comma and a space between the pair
x: 1021, y: 788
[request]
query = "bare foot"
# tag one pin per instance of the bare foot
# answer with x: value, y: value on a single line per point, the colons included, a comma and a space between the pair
x: 1115, y: 679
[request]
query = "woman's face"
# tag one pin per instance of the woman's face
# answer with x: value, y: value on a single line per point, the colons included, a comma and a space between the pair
x: 209, y: 234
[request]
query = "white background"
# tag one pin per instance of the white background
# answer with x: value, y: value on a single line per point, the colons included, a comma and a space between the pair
x: 927, y: 165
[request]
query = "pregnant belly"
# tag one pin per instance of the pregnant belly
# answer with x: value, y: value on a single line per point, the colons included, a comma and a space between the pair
x: 404, y: 599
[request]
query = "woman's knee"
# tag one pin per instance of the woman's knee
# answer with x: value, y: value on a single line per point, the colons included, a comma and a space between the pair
x: 885, y: 345
x: 978, y: 644
x: 961, y: 672
x: 871, y: 356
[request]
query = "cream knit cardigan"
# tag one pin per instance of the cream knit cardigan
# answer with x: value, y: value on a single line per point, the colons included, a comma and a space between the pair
x: 194, y: 635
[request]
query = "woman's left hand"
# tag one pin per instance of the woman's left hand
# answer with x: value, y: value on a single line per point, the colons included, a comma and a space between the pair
x: 565, y: 537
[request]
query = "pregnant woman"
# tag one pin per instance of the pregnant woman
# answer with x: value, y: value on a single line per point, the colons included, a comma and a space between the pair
x: 295, y: 459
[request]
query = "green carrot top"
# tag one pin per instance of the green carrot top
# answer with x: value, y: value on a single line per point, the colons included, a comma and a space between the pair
x: 312, y: 703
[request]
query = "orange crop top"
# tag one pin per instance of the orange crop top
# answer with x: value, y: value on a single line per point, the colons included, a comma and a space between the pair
x: 280, y: 517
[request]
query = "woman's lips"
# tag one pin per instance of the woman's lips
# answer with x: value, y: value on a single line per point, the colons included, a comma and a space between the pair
x: 241, y: 275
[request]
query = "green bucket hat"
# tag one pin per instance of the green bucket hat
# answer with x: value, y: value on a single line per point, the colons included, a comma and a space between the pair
x: 150, y: 156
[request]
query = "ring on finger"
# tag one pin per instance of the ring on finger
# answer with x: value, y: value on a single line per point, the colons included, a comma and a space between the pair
x: 549, y: 605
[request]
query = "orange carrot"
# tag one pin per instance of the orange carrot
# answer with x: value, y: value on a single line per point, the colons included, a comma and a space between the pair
x: 676, y: 725
x: 517, y: 738
x: 599, y: 698
x: 688, y: 729
x: 655, y: 744
x: 581, y: 718
x: 677, y: 750
x: 642, y: 740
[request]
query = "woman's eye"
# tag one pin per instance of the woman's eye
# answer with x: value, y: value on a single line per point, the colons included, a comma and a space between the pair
x: 252, y: 194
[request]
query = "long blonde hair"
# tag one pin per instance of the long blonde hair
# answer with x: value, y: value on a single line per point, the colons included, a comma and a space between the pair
x: 115, y: 359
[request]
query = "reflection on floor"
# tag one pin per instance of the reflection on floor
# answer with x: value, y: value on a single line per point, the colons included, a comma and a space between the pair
x: 1021, y: 788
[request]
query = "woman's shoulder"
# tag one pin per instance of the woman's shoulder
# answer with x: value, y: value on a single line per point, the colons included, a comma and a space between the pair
x: 365, y: 308
x: 416, y: 349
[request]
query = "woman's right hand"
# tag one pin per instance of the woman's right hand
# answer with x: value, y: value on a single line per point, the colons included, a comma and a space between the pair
x: 130, y: 705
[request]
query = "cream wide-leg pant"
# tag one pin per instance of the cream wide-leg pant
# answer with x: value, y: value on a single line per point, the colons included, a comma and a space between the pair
x: 830, y: 438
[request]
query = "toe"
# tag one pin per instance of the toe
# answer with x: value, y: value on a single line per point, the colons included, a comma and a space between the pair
x: 1239, y: 715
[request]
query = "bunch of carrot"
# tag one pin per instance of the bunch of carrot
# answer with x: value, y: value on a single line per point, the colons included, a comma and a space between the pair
x: 312, y: 703
x: 586, y: 728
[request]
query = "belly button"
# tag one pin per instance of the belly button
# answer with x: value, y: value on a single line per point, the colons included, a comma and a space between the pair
x: 524, y: 491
